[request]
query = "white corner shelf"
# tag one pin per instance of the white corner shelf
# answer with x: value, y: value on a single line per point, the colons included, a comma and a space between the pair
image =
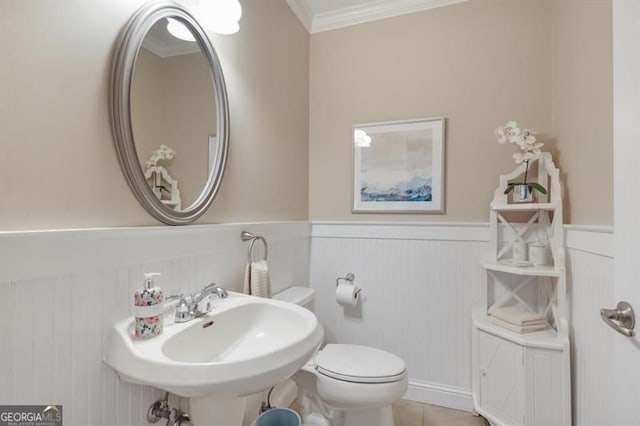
x: 543, y: 339
x: 533, y: 271
x: 523, y: 379
x: 523, y: 207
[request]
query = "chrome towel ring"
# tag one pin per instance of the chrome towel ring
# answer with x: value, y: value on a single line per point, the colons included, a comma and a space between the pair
x: 248, y: 236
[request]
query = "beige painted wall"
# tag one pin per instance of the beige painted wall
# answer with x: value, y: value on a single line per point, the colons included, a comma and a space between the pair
x: 58, y: 167
x: 546, y: 64
x: 478, y: 64
x: 583, y: 107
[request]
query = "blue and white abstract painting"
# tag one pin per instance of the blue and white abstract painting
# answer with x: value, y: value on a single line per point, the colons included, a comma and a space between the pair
x: 394, y: 171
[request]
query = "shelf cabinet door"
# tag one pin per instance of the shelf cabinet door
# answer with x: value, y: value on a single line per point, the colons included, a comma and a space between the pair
x: 546, y: 396
x: 502, y: 379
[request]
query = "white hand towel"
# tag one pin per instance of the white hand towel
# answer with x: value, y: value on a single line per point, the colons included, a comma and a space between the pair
x: 256, y: 279
x: 517, y: 316
x: 247, y: 279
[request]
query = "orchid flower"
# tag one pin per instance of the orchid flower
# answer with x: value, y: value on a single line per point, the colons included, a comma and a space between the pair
x: 528, y: 144
x: 164, y: 152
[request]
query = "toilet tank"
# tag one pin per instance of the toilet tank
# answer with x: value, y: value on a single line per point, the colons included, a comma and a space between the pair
x: 303, y: 296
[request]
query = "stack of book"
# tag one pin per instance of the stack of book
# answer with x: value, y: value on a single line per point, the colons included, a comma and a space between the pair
x: 517, y: 319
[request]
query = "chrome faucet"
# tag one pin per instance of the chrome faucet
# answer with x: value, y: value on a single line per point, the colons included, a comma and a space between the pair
x: 188, y: 307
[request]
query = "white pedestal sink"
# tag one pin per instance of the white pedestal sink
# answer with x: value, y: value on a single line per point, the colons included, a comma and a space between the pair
x: 244, y: 345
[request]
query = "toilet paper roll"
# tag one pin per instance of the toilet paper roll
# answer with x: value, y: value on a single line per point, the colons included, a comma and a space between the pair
x: 347, y: 294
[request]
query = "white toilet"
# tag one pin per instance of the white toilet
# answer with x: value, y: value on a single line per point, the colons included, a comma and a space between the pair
x: 346, y: 385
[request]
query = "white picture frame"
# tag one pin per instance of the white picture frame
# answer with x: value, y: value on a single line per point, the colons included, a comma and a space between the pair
x: 398, y: 166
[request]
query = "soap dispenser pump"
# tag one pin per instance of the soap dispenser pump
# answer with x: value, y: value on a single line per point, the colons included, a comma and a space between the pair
x: 148, y: 304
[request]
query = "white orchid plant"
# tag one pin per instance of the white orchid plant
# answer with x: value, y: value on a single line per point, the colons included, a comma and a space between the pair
x: 163, y: 153
x: 527, y: 142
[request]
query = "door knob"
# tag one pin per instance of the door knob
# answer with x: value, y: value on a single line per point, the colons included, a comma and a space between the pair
x: 622, y: 319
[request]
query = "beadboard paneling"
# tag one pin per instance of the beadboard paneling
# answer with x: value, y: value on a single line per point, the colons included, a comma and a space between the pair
x: 418, y: 284
x: 416, y: 300
x: 591, y: 287
x: 67, y: 288
x: 60, y: 291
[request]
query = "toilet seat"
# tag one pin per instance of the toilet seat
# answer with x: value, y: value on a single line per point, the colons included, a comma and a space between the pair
x: 359, y: 364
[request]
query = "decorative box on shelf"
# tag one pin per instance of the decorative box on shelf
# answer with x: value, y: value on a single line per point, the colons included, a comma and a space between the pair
x: 524, y: 378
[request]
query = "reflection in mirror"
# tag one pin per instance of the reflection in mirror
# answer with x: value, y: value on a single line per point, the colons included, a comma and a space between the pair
x: 173, y: 114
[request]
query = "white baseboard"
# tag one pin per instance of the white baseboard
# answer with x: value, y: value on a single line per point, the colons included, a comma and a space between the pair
x: 437, y: 394
x: 427, y: 393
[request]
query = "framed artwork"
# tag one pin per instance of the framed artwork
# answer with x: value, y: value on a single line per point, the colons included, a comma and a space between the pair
x: 398, y: 167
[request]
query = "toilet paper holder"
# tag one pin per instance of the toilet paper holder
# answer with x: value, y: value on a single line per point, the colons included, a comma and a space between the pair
x: 355, y: 295
x: 349, y: 278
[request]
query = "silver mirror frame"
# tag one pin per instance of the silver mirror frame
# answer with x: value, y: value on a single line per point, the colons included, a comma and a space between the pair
x: 122, y: 76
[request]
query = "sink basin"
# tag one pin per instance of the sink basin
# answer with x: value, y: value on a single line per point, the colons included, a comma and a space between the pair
x: 244, y: 345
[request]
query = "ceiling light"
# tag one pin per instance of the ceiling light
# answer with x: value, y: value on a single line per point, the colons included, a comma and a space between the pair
x: 179, y: 30
x: 221, y: 16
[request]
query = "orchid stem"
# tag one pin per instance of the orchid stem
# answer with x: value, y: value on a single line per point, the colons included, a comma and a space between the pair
x: 526, y: 171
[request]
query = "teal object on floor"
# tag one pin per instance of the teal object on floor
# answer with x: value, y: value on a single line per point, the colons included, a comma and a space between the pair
x: 279, y: 417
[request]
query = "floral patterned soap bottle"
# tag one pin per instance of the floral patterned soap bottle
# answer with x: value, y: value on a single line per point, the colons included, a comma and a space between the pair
x: 148, y: 303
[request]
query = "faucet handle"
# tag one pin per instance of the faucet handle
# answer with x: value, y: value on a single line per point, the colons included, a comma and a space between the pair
x: 173, y: 297
x: 183, y: 311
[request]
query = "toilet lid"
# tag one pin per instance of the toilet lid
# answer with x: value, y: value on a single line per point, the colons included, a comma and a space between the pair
x: 360, y: 364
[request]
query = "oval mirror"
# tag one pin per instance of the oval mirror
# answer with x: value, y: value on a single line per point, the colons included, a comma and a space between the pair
x: 169, y: 113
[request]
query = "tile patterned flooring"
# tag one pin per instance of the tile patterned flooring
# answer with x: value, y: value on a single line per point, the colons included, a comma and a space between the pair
x: 409, y: 413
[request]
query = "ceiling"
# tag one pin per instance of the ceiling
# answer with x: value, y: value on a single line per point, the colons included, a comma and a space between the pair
x: 325, y: 15
x: 160, y: 42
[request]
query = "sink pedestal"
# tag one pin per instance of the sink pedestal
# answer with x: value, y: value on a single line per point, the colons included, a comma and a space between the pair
x: 214, y: 411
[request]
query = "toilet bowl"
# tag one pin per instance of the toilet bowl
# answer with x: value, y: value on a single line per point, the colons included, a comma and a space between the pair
x: 347, y: 385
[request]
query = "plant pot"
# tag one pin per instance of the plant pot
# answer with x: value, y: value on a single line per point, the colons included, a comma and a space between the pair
x: 522, y: 194
x: 158, y: 192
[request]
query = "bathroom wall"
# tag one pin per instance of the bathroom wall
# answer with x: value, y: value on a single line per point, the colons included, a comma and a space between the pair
x: 58, y: 167
x: 61, y: 291
x: 546, y: 64
x: 418, y: 285
x: 591, y: 288
x: 582, y: 111
x: 478, y: 63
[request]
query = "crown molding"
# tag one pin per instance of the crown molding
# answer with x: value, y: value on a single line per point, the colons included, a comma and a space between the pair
x: 165, y: 50
x: 302, y: 10
x: 380, y: 9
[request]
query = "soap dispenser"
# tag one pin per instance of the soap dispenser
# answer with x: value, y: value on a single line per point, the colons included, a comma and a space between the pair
x: 148, y: 304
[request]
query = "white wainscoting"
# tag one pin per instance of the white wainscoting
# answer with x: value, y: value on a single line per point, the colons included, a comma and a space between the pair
x: 60, y: 291
x: 591, y: 287
x: 419, y: 281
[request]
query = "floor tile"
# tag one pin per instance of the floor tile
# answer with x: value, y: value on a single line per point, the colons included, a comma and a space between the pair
x: 408, y: 413
x: 440, y: 416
